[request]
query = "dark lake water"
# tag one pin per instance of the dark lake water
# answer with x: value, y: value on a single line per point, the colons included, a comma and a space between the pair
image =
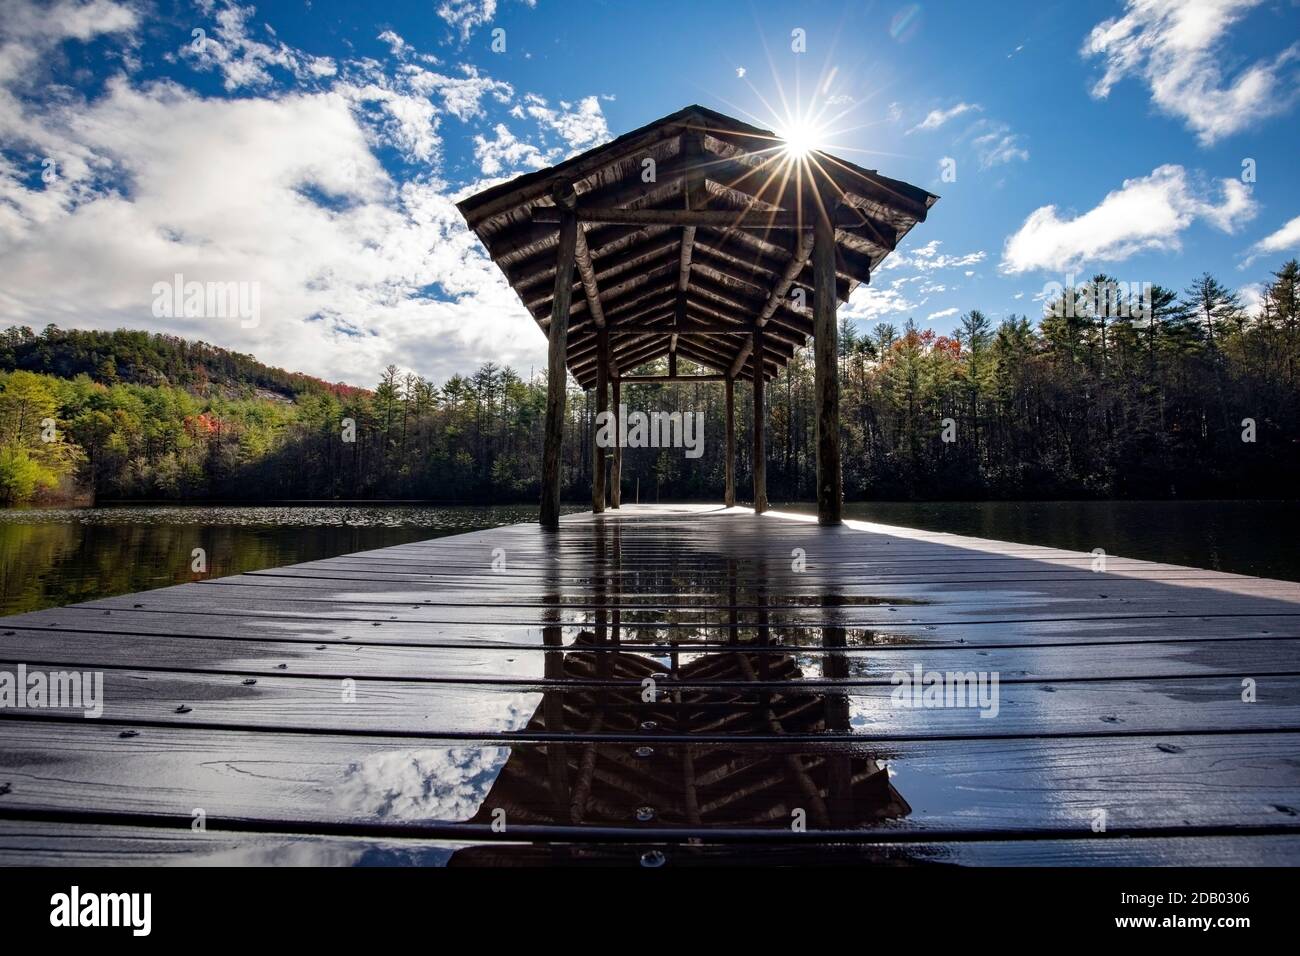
x: 50, y: 558
x: 1260, y: 538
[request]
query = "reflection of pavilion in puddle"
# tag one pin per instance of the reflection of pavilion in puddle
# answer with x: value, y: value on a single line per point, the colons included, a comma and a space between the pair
x: 684, y: 784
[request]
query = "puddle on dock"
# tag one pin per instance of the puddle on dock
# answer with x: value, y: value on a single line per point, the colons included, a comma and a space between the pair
x: 708, y: 727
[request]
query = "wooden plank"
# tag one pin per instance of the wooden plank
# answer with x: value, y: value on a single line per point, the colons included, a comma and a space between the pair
x: 866, y: 662
x: 501, y: 711
x: 371, y: 786
x: 392, y: 695
x: 658, y: 629
x: 39, y: 843
x: 358, y: 606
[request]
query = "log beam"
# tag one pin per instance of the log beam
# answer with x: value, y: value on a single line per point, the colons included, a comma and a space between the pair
x: 729, y: 495
x: 655, y: 379
x: 708, y: 218
x: 830, y: 491
x: 599, y: 452
x: 582, y: 258
x: 556, y: 375
x: 759, y: 463
x: 616, y: 467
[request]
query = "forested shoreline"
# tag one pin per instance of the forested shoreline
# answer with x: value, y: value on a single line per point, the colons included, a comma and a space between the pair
x: 1080, y: 405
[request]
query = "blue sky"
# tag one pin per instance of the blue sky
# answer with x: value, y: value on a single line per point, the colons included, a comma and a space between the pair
x: 315, y: 149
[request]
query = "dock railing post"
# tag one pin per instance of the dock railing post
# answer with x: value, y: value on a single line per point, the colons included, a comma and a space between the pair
x: 729, y: 496
x: 759, y: 452
x: 830, y: 490
x: 598, y: 451
x: 556, y: 373
x: 616, y: 469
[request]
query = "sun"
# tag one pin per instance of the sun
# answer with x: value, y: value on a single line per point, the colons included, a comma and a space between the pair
x: 800, y: 137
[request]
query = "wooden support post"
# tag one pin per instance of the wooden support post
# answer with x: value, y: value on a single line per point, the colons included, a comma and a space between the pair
x: 729, y: 496
x: 616, y: 469
x: 599, y: 451
x: 830, y: 490
x: 760, y: 453
x: 556, y: 384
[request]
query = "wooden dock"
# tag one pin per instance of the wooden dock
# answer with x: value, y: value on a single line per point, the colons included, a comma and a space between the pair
x: 667, y: 685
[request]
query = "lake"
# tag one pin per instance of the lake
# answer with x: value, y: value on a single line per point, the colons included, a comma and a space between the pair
x: 1241, y: 537
x: 52, y: 557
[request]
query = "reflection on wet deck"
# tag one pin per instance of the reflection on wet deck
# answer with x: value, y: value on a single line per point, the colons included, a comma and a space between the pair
x: 688, y: 684
x: 686, y: 785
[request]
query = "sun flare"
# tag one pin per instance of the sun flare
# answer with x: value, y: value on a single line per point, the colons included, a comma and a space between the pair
x: 800, y: 137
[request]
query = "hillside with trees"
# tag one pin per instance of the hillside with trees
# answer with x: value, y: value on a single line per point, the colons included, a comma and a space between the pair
x: 1201, y: 398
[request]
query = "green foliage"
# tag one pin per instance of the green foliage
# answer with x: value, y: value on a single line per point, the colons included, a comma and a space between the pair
x: 1082, y: 405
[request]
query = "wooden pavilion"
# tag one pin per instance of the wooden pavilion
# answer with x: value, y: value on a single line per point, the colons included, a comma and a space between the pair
x: 696, y: 236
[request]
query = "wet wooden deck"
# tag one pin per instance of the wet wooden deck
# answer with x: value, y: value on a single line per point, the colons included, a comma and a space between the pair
x: 666, y: 685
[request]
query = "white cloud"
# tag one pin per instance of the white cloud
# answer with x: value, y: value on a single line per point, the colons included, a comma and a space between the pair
x: 1175, y: 47
x: 462, y: 96
x: 872, y: 303
x: 928, y: 258
x: 506, y: 151
x: 581, y: 126
x: 29, y: 31
x: 936, y: 118
x: 996, y: 144
x: 941, y: 314
x: 410, y: 122
x: 1252, y: 298
x: 1286, y: 239
x: 279, y: 185
x: 396, y: 45
x: 218, y: 195
x: 1146, y: 214
x: 466, y: 16
x: 227, y: 45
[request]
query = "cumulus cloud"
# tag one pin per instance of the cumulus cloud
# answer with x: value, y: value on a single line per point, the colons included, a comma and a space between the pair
x: 927, y: 258
x: 506, y: 151
x: 466, y: 16
x: 1146, y: 214
x: 231, y: 190
x: 282, y: 185
x: 1286, y: 239
x: 936, y: 118
x: 462, y: 96
x: 872, y: 303
x: 581, y: 125
x: 1175, y: 48
x: 227, y: 45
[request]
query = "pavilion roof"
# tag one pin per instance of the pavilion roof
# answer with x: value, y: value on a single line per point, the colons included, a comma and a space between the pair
x: 664, y: 281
